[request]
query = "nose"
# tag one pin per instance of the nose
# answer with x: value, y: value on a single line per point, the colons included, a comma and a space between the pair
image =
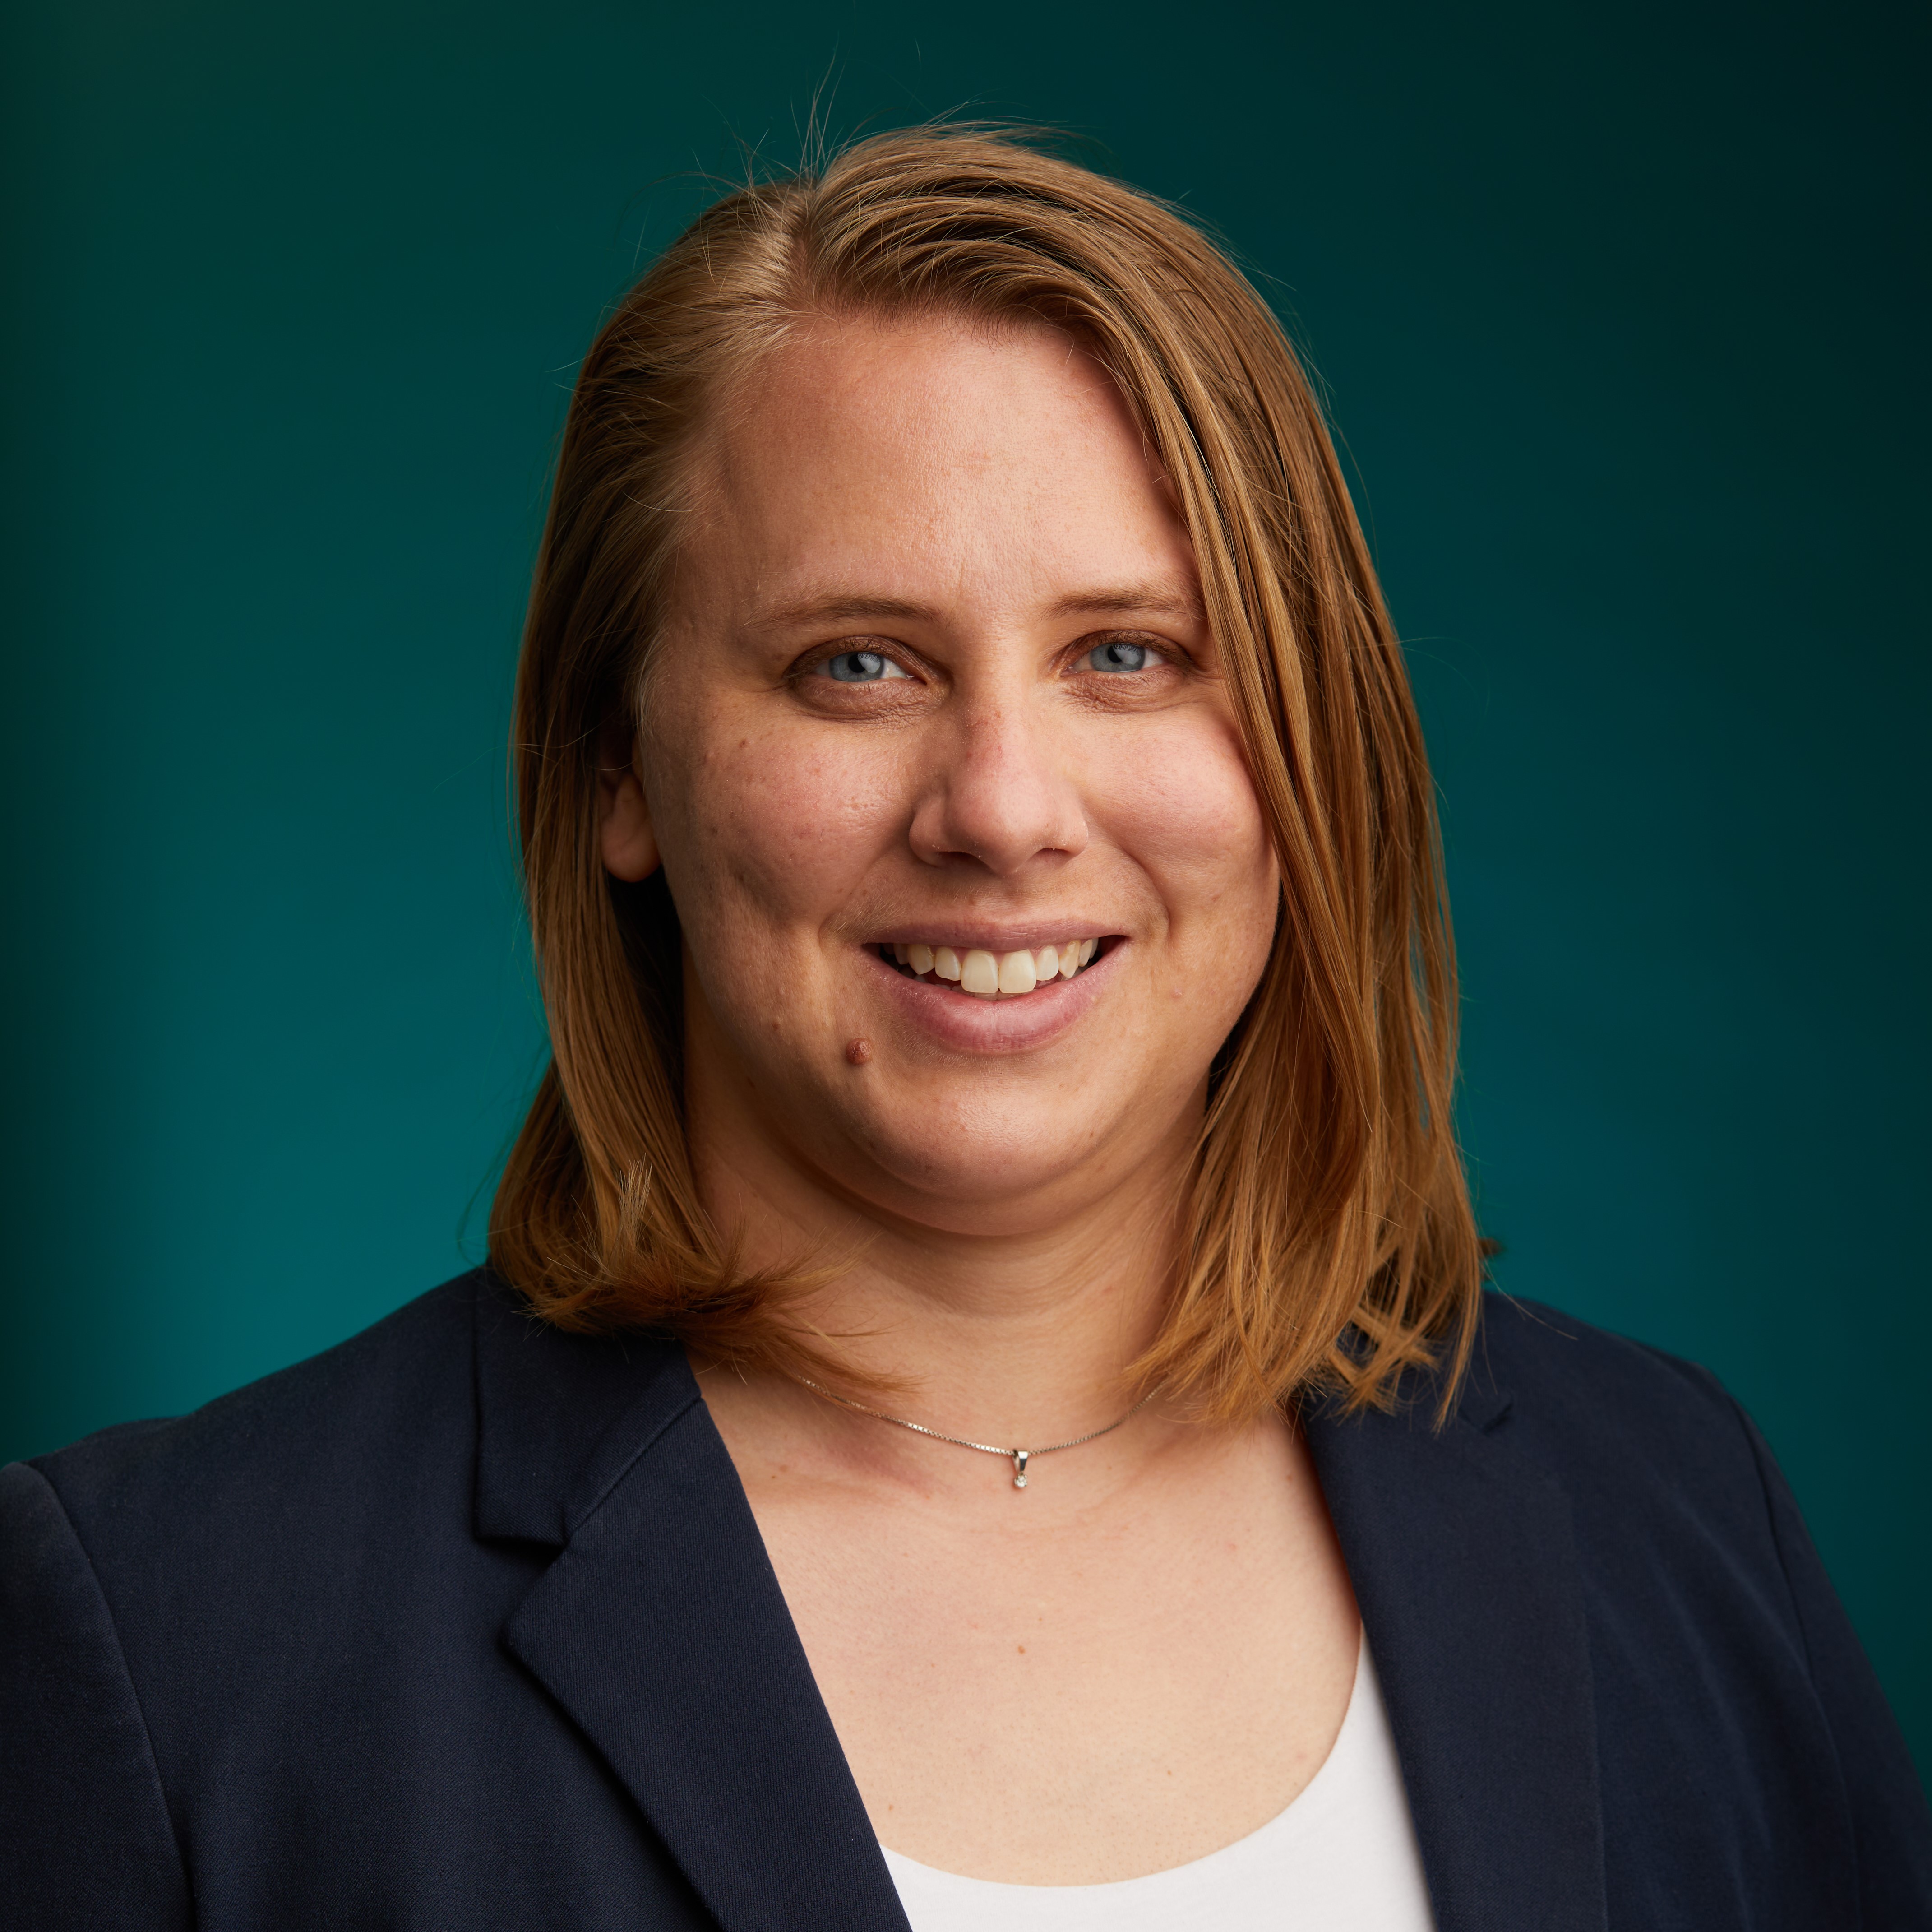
x: 998, y: 794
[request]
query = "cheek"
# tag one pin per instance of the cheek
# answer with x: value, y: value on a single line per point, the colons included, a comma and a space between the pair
x: 766, y: 833
x: 1185, y: 809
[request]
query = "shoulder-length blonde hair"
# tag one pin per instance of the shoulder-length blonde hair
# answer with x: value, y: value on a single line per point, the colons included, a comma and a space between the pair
x: 1325, y: 1237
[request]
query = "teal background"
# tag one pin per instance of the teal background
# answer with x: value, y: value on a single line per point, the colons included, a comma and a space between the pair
x: 1620, y: 309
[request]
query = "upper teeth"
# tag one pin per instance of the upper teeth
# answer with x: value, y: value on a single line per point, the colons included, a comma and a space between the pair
x: 989, y: 975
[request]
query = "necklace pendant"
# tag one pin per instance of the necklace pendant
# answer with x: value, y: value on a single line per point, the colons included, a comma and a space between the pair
x: 1019, y: 1467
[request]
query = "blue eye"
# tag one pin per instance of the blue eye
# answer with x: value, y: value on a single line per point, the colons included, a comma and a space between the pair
x: 861, y: 667
x: 1120, y: 656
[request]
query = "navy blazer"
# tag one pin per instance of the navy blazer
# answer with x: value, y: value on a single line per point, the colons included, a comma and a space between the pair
x: 467, y: 1624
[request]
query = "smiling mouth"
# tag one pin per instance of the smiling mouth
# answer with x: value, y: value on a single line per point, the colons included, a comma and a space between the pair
x: 987, y: 975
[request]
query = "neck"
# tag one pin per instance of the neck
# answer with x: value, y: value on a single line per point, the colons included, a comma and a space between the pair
x: 1015, y: 1333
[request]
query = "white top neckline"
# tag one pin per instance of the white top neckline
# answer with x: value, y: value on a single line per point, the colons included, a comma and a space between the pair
x: 1343, y: 1851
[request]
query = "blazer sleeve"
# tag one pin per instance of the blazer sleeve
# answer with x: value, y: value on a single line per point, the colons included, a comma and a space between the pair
x: 86, y: 1839
x: 1890, y: 1817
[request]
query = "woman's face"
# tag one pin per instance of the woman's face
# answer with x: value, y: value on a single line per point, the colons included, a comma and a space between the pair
x: 938, y: 760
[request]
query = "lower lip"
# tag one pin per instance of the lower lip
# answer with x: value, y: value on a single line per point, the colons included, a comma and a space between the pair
x: 968, y: 1024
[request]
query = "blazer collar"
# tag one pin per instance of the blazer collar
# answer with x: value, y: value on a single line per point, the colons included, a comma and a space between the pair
x: 1464, y: 1567
x: 561, y: 1417
x: 660, y: 1626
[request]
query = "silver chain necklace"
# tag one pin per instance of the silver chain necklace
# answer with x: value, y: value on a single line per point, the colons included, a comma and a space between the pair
x: 1020, y: 1457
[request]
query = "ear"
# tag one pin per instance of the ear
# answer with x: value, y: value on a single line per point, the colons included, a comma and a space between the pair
x: 629, y: 846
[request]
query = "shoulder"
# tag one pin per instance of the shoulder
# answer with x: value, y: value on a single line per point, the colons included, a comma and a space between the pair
x: 389, y: 1397
x: 1548, y: 1349
x: 285, y: 1614
x: 1651, y: 1448
x: 1681, y: 1523
x: 1583, y: 1392
x: 160, y: 1579
x: 460, y: 1414
x: 1528, y: 1349
x: 1720, y: 1652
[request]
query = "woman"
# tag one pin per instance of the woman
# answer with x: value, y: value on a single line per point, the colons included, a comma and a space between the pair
x: 982, y: 1410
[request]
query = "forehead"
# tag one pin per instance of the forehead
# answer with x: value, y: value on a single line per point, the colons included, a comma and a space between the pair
x: 928, y: 458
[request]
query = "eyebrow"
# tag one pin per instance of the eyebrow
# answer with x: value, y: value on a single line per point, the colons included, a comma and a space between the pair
x: 1155, y: 600
x: 1162, y: 599
x: 836, y: 609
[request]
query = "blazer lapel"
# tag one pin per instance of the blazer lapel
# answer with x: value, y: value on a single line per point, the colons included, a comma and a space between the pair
x: 661, y: 1628
x: 1464, y: 1567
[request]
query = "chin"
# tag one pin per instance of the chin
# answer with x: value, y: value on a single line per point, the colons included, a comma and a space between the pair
x: 972, y: 1167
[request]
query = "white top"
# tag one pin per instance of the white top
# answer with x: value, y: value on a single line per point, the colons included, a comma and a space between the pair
x: 1343, y: 1854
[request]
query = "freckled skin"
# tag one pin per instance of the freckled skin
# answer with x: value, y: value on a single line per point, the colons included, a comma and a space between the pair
x: 978, y: 512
